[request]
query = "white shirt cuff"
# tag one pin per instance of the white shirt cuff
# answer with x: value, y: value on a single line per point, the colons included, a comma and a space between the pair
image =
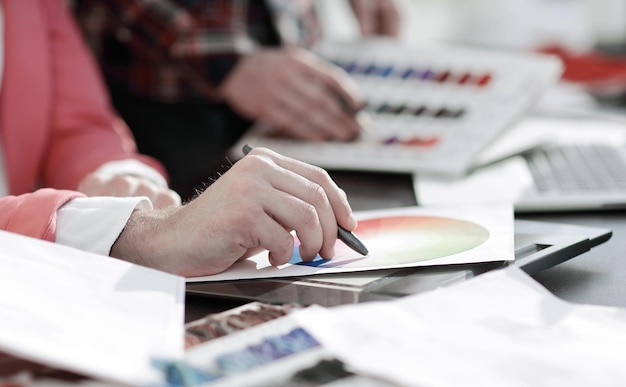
x: 93, y: 224
x: 132, y: 167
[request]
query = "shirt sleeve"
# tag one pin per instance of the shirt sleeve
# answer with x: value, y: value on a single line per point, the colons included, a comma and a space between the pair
x: 84, y: 131
x: 132, y: 167
x: 93, y: 224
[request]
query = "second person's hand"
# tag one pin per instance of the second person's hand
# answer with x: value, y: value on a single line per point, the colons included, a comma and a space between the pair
x: 296, y: 93
x: 101, y: 184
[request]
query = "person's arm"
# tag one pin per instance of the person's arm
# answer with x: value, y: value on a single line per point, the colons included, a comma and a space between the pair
x: 83, y: 124
x: 253, y: 206
x: 291, y: 90
x: 94, y: 224
x: 86, y: 133
x: 226, y: 223
x: 69, y: 218
x: 34, y: 214
x: 377, y: 17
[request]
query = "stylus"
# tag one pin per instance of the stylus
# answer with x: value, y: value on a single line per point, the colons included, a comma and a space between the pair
x: 344, y: 235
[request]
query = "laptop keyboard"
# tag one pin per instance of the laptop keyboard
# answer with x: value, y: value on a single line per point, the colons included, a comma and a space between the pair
x: 578, y: 168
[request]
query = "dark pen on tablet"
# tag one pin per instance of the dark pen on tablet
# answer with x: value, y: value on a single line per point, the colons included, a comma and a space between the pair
x: 344, y: 235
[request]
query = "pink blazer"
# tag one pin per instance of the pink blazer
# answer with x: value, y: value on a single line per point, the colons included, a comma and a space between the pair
x: 56, y: 123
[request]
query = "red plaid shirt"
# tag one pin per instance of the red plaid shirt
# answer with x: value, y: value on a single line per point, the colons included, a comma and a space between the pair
x: 170, y: 50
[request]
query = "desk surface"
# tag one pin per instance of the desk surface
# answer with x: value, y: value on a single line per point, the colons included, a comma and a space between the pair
x: 595, y: 277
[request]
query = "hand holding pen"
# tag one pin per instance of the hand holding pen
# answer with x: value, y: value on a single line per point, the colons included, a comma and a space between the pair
x: 344, y: 235
x: 252, y: 207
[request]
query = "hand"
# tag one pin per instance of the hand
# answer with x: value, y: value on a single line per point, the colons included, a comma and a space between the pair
x: 99, y: 184
x: 253, y: 206
x: 377, y: 17
x: 295, y: 93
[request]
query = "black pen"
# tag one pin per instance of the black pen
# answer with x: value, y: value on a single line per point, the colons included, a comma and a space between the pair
x: 344, y: 235
x: 359, y: 114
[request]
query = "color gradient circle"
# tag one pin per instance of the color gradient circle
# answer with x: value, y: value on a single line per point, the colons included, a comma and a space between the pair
x: 406, y: 239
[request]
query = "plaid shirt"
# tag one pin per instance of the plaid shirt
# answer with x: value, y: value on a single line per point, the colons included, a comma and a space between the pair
x: 171, y: 50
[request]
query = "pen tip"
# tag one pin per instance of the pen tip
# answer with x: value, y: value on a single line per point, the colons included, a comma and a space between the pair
x: 351, y: 241
x: 246, y: 149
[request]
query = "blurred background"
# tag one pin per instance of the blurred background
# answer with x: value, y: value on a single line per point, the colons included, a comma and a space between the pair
x: 588, y: 35
x: 575, y: 24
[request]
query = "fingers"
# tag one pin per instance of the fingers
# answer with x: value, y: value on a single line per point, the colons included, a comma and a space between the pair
x: 377, y: 17
x: 96, y: 184
x: 389, y: 19
x: 337, y: 82
x: 274, y: 238
x: 160, y: 198
x: 303, y: 206
x: 297, y: 93
x: 313, y: 113
x: 364, y: 11
x: 336, y: 196
x: 315, y: 107
x: 296, y: 196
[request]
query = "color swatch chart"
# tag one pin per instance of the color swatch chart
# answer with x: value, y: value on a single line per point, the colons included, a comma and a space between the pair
x: 257, y: 356
x: 434, y: 109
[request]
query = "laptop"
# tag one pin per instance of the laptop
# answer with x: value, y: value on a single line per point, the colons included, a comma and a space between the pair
x: 580, y: 166
x: 538, y: 246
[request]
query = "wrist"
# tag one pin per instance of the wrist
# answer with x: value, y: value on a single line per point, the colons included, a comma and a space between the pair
x: 140, y: 240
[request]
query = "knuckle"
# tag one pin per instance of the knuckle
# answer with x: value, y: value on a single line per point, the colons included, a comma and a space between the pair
x: 259, y: 160
x: 308, y: 215
x: 319, y: 195
x: 148, y: 190
x: 122, y: 182
x: 321, y: 176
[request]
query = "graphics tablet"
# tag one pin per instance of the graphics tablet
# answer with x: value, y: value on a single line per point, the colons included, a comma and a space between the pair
x: 538, y: 246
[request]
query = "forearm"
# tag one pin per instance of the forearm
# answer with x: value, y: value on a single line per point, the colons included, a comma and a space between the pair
x: 142, y: 241
x: 93, y: 224
x: 34, y: 214
x: 83, y: 135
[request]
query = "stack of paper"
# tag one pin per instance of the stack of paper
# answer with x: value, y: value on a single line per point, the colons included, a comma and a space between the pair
x: 89, y: 314
x: 498, y: 329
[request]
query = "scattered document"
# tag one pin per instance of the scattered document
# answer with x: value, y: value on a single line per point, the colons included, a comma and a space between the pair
x: 505, y: 181
x: 399, y: 238
x: 93, y: 315
x: 498, y: 329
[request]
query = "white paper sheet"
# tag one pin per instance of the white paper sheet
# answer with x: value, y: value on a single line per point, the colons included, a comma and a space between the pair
x: 403, y: 237
x: 498, y: 329
x: 506, y: 180
x: 94, y: 315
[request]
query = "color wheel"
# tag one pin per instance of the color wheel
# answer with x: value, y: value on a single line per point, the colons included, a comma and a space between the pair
x: 401, y: 240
